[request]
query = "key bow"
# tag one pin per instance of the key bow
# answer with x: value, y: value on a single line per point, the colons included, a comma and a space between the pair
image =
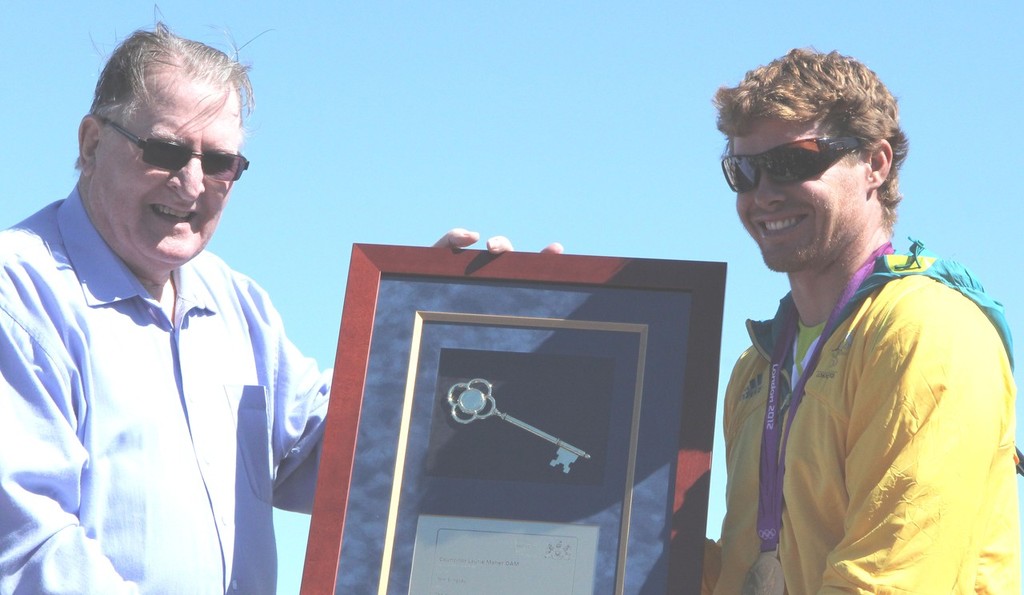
x: 471, y: 400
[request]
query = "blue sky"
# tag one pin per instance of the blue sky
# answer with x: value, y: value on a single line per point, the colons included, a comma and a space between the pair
x: 589, y: 123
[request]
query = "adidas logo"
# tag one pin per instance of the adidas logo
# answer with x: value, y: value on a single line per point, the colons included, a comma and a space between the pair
x: 753, y: 387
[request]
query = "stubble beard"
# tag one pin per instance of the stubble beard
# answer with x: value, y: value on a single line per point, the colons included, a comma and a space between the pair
x: 791, y: 261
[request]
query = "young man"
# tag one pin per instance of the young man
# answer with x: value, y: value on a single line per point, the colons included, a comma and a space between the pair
x: 869, y: 429
x: 152, y: 410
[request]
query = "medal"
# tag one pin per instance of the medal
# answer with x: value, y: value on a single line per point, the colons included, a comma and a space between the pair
x: 765, y: 576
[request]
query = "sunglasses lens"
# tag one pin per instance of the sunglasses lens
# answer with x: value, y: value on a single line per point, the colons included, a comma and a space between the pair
x: 224, y: 166
x: 789, y: 165
x: 165, y: 155
x: 740, y: 173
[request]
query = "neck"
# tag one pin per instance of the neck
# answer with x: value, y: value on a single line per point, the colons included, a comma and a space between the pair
x: 815, y: 293
x: 163, y: 292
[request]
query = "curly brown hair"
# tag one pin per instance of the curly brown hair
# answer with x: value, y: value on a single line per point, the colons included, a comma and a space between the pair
x: 837, y: 91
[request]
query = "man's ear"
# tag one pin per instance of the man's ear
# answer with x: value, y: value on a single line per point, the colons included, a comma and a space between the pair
x: 88, y: 140
x: 880, y: 161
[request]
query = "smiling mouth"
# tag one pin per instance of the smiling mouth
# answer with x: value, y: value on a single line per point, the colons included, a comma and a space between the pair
x: 169, y: 212
x: 780, y: 225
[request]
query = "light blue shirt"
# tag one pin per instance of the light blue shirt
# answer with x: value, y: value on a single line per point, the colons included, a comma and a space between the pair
x: 140, y: 454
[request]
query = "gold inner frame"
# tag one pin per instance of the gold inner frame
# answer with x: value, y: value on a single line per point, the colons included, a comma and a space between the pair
x: 423, y: 317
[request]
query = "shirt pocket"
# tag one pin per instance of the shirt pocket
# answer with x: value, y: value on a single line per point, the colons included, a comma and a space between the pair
x: 253, y: 437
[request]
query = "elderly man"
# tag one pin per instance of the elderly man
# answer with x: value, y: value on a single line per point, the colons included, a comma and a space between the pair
x: 152, y: 410
x: 869, y: 429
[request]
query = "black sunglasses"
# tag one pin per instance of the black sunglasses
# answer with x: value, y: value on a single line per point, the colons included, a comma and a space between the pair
x: 226, y: 167
x: 796, y: 161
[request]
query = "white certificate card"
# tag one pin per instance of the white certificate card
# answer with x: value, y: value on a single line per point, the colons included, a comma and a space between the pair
x: 469, y: 556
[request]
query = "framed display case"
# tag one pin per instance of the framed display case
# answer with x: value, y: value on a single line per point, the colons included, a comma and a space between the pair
x: 520, y: 423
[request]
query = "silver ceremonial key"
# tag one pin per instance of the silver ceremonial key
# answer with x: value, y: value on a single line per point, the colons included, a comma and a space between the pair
x: 473, y: 400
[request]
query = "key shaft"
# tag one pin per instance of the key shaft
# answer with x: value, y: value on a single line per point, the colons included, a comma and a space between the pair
x: 538, y: 432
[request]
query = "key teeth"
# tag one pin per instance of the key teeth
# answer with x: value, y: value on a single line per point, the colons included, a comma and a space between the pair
x: 565, y: 466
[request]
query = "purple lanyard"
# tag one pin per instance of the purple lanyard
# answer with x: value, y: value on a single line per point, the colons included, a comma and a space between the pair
x: 773, y: 450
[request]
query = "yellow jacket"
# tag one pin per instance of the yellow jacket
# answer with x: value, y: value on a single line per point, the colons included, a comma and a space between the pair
x: 900, y: 470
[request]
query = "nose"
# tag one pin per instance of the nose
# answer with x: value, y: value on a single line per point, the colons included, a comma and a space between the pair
x: 766, y: 193
x: 188, y: 182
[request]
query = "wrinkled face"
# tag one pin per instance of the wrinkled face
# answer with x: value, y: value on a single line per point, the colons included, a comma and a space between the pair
x: 153, y: 219
x: 808, y: 225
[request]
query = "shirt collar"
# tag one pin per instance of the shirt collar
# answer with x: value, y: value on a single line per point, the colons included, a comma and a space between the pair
x: 193, y: 291
x: 105, y: 278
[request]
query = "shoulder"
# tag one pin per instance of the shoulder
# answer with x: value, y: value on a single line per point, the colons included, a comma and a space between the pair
x: 33, y: 259
x: 947, y: 273
x: 922, y: 317
x: 36, y: 282
x: 212, y: 279
x: 34, y: 240
x: 217, y: 274
x: 748, y: 383
x: 919, y: 298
